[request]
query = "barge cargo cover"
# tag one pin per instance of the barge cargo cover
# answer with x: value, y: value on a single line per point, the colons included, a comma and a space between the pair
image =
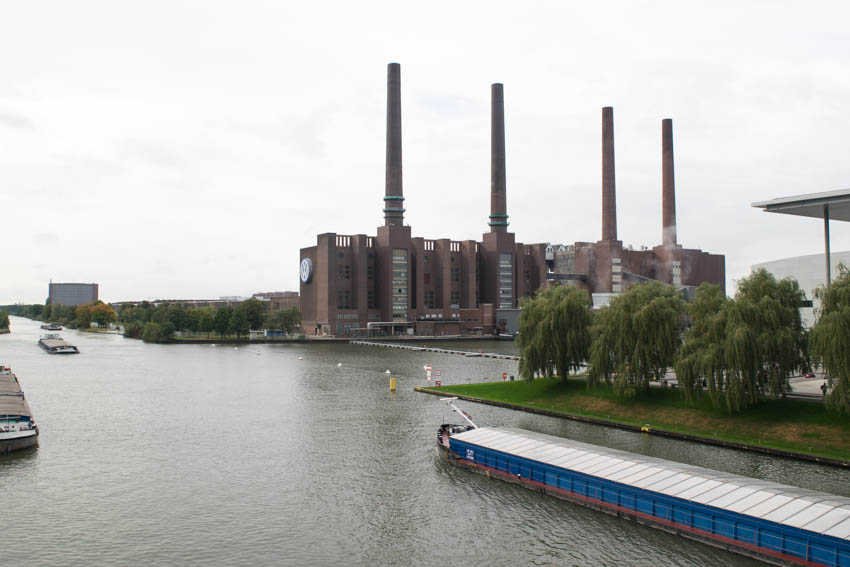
x: 777, y: 523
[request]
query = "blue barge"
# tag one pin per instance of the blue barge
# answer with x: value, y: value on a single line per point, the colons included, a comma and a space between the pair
x: 776, y: 523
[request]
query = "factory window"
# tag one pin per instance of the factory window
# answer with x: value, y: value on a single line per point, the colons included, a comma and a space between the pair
x: 370, y: 272
x: 347, y: 272
x: 506, y: 288
x: 340, y: 270
x: 343, y: 299
x: 370, y: 299
x: 429, y: 299
x: 455, y: 299
x: 527, y: 276
x: 399, y: 293
x: 455, y: 273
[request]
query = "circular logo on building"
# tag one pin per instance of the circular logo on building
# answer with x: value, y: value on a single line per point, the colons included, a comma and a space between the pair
x: 306, y: 270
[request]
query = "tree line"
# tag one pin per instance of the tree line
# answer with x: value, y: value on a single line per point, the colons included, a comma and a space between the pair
x: 738, y: 351
x: 75, y: 317
x: 159, y: 323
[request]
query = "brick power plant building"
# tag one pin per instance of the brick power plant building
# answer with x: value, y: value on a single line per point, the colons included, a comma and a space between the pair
x: 397, y: 283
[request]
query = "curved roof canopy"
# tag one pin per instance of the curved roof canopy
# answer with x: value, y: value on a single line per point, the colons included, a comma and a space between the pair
x: 811, y: 205
x: 829, y: 205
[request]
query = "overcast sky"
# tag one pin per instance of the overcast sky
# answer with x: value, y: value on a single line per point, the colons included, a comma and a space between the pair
x: 189, y: 149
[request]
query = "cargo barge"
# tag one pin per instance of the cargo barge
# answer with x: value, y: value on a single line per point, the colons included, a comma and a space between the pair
x: 775, y: 523
x: 17, y: 428
x: 54, y: 344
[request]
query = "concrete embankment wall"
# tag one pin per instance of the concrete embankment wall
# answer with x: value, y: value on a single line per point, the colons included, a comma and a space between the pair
x: 246, y: 341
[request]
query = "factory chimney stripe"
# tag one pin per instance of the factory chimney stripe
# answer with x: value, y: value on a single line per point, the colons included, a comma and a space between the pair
x: 609, y: 199
x: 668, y: 185
x: 498, y: 203
x: 394, y: 195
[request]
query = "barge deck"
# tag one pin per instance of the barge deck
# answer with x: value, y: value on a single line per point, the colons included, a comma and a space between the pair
x: 776, y: 523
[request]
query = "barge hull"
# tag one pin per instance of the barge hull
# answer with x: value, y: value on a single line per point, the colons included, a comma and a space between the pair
x: 764, y: 540
x: 17, y: 444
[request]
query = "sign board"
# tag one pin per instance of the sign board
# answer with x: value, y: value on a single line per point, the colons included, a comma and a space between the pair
x: 428, y: 367
x: 504, y: 375
x: 438, y: 383
x: 437, y: 373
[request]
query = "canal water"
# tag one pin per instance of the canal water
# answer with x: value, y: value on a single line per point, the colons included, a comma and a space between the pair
x: 299, y: 455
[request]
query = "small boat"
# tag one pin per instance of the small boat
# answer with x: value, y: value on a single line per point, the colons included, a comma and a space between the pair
x: 505, y: 336
x: 54, y: 344
x: 772, y: 522
x: 51, y: 327
x: 17, y: 428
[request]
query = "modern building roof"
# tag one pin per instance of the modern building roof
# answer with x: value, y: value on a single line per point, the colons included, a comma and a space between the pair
x: 818, y: 512
x: 811, y: 205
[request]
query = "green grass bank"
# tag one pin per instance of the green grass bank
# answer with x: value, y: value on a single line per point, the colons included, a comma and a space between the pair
x: 800, y: 427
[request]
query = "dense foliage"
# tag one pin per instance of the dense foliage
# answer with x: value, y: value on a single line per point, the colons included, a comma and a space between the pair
x: 159, y: 323
x: 4, y: 320
x: 636, y: 338
x: 830, y: 340
x: 554, y: 332
x: 746, y: 348
x: 80, y: 317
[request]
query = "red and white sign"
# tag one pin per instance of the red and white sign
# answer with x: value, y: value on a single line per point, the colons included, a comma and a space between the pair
x: 438, y: 373
x: 428, y: 367
x: 438, y: 383
x: 504, y: 376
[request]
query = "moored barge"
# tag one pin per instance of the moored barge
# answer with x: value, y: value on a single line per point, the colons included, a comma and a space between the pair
x: 17, y: 428
x: 775, y: 523
x: 54, y: 344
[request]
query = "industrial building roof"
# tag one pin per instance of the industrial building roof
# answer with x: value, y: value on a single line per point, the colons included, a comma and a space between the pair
x: 818, y: 512
x: 811, y: 205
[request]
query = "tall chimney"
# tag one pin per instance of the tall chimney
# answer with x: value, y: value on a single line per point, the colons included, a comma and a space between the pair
x: 609, y: 199
x: 394, y: 196
x: 668, y: 185
x: 498, y: 205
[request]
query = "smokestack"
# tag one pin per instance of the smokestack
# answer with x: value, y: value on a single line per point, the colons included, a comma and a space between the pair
x: 498, y: 205
x: 394, y: 196
x: 609, y: 199
x: 668, y: 185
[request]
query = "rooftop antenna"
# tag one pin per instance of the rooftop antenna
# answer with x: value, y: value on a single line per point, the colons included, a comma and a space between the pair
x: 462, y: 413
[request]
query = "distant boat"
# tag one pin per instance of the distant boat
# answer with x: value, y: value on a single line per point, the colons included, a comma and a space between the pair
x: 51, y: 327
x: 54, y: 344
x: 17, y: 428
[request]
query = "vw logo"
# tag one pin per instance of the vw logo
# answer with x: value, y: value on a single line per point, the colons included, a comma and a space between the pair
x: 306, y: 270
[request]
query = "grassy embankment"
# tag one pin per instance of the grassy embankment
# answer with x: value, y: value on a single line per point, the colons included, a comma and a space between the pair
x: 791, y: 425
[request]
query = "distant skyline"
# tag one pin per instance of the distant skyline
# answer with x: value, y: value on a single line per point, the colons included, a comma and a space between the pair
x: 188, y: 150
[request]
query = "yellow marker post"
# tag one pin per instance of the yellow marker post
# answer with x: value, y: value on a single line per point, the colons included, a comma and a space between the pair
x: 392, y: 384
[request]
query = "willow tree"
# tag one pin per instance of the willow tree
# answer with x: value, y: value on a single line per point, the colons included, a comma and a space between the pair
x: 746, y: 348
x: 702, y: 358
x: 830, y: 340
x: 554, y: 332
x: 765, y: 339
x: 635, y: 338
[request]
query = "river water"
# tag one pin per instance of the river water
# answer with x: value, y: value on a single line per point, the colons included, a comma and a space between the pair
x: 299, y: 455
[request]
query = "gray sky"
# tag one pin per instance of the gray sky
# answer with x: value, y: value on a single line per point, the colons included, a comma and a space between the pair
x: 189, y: 149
